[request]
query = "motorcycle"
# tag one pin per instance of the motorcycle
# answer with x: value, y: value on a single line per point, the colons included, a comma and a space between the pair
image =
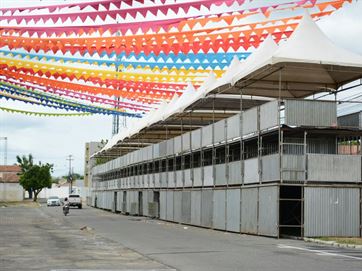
x: 66, y: 209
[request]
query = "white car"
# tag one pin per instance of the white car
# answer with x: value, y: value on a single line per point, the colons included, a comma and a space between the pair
x: 75, y: 200
x: 53, y: 201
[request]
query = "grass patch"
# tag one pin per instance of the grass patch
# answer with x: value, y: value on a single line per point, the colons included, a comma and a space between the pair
x: 343, y: 240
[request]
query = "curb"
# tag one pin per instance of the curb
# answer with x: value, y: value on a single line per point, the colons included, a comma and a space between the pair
x: 331, y: 243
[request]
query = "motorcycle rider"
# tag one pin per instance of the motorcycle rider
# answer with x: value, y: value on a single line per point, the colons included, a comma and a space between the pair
x: 66, y: 206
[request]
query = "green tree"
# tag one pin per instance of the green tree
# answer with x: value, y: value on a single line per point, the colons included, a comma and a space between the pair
x: 36, y: 178
x: 25, y: 163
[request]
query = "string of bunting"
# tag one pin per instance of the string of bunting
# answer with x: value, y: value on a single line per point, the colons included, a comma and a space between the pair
x: 127, y: 56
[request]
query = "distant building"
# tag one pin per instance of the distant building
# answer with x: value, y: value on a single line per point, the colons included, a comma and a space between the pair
x: 10, y: 189
x: 90, y: 149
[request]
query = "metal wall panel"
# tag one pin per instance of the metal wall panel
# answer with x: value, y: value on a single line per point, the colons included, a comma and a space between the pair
x: 163, y: 179
x: 351, y: 120
x: 119, y: 201
x: 187, y: 176
x: 269, y: 115
x: 233, y: 127
x: 251, y: 174
x: 268, y: 210
x: 177, y: 144
x: 156, y: 151
x: 177, y: 205
x: 249, y: 210
x: 293, y: 167
x: 220, y: 174
x: 233, y: 210
x: 208, y: 176
x: 149, y: 152
x: 310, y: 113
x: 331, y: 211
x: 186, y: 207
x: 197, y: 177
x: 179, y: 181
x: 219, y: 131
x: 163, y: 148
x: 171, y: 179
x: 151, y: 180
x: 163, y: 205
x: 234, y: 172
x: 186, y: 143
x: 145, y: 200
x: 334, y: 168
x: 196, y: 208
x: 206, y: 135
x: 129, y: 200
x: 250, y: 121
x: 219, y: 210
x: 196, y: 139
x: 170, y: 150
x: 206, y: 208
x: 169, y: 208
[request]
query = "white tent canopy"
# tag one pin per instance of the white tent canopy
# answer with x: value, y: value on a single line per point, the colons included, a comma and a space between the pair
x: 307, y: 63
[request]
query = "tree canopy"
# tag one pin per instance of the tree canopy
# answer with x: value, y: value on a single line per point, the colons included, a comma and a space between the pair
x: 34, y: 177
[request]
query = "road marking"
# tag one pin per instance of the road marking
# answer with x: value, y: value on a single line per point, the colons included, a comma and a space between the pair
x: 319, y: 252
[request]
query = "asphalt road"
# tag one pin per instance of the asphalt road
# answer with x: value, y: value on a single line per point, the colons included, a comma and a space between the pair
x: 43, y: 239
x: 192, y: 248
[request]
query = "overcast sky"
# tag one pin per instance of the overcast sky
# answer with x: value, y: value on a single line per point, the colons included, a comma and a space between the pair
x: 53, y: 139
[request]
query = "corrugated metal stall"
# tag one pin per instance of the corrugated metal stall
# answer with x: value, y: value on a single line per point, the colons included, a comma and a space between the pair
x: 219, y: 131
x: 234, y: 169
x: 171, y: 179
x: 146, y: 197
x: 196, y: 139
x: 196, y: 207
x: 293, y: 167
x: 332, y: 168
x: 233, y: 127
x: 220, y: 174
x: 206, y: 208
x: 251, y: 171
x: 331, y: 211
x: 186, y: 143
x: 187, y: 176
x: 249, y: 210
x: 206, y: 135
x: 219, y: 210
x: 169, y: 208
x: 163, y: 204
x: 119, y: 201
x: 169, y: 146
x: 233, y: 210
x: 197, y: 177
x: 268, y: 210
x: 351, y: 120
x: 310, y: 113
x: 186, y: 207
x: 250, y: 121
x: 179, y: 178
x: 163, y: 179
x: 177, y: 144
x: 177, y: 206
x: 270, y: 167
x: 269, y: 115
x: 208, y: 176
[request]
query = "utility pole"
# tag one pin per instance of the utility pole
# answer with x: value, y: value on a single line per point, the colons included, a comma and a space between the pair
x: 5, y: 149
x: 70, y: 177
